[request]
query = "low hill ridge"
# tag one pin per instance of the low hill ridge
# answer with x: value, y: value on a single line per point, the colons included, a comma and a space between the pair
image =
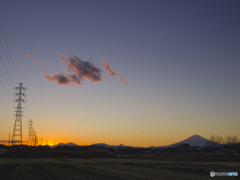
x: 194, y: 140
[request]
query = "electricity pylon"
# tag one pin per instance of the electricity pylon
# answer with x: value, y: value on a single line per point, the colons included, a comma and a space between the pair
x: 35, y: 138
x: 17, y: 130
x: 30, y: 133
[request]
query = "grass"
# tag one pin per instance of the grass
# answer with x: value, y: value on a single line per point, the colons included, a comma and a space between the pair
x: 114, y: 168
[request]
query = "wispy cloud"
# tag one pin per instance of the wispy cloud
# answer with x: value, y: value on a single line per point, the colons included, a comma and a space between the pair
x: 33, y: 59
x: 78, y: 70
x: 82, y: 69
x: 7, y: 141
x: 105, y: 66
x: 122, y: 79
x: 62, y: 79
x: 67, y: 49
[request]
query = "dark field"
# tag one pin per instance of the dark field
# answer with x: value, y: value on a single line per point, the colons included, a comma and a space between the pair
x: 110, y: 169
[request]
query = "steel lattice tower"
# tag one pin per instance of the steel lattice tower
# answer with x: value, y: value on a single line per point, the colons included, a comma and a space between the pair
x: 17, y: 131
x: 31, y: 132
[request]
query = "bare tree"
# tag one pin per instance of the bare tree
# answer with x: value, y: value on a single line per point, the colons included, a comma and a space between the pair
x: 231, y: 139
x: 231, y: 142
x: 214, y: 142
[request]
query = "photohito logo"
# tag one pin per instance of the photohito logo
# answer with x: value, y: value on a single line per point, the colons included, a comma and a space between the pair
x: 232, y: 174
x: 212, y: 174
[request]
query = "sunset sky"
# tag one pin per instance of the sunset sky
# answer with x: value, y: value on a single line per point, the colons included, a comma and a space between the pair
x: 164, y: 69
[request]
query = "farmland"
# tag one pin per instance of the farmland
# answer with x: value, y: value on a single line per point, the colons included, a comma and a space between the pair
x: 110, y: 169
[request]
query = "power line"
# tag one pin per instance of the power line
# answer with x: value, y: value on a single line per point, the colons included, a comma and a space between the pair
x: 8, y: 60
x: 5, y: 76
x: 6, y: 79
x: 27, y: 111
x: 5, y: 38
x: 6, y: 70
x: 6, y: 89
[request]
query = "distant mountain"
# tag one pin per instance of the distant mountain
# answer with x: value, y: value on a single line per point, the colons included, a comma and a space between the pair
x: 120, y: 145
x: 62, y: 144
x: 194, y: 140
x: 105, y: 145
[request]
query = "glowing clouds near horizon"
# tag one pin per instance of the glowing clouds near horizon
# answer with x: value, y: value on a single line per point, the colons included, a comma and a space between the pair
x: 78, y: 70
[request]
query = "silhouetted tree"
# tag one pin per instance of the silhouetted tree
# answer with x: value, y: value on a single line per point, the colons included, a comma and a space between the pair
x: 231, y: 142
x: 232, y: 139
x: 214, y: 143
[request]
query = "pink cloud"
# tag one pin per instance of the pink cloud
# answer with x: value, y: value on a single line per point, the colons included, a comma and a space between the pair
x: 122, y: 79
x: 82, y: 69
x: 105, y: 65
x: 62, y: 79
x: 67, y: 49
x: 33, y: 59
x: 78, y: 70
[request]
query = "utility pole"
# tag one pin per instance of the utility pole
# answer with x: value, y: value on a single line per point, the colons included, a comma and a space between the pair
x: 54, y: 142
x: 17, y: 130
x: 46, y: 142
x: 9, y: 139
x: 41, y: 141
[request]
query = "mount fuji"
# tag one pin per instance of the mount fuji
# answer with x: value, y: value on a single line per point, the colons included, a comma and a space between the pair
x: 194, y: 140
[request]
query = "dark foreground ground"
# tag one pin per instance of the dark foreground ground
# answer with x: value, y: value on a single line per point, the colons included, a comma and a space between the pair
x: 111, y: 169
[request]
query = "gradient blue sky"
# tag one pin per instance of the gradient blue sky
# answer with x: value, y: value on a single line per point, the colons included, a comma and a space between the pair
x: 181, y: 59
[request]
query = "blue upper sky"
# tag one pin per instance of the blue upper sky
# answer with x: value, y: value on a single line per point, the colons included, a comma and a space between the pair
x: 181, y: 59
